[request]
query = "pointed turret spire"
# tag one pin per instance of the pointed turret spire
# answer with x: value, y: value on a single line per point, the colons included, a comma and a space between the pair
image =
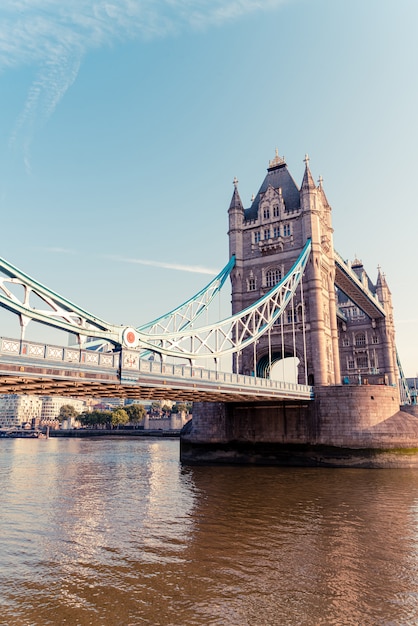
x: 322, y: 194
x: 236, y: 200
x: 236, y: 219
x: 381, y: 280
x: 308, y: 181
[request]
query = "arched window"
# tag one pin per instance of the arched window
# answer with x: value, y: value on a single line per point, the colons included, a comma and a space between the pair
x: 273, y: 277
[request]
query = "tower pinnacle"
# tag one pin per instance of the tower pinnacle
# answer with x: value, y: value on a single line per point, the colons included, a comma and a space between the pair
x: 278, y: 160
x: 307, y: 182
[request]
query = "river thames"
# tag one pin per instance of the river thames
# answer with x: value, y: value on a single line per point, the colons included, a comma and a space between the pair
x: 116, y: 532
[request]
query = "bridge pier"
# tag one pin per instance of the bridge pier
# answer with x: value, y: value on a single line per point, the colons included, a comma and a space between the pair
x: 345, y: 426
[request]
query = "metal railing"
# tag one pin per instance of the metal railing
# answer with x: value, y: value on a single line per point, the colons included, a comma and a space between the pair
x: 128, y: 365
x: 34, y: 351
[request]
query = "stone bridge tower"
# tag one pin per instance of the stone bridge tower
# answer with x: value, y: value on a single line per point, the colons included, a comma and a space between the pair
x: 349, y: 345
x: 266, y: 240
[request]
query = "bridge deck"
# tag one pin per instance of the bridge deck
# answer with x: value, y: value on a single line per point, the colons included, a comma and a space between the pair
x: 31, y: 368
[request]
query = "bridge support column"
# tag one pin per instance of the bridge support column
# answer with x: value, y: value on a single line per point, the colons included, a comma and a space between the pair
x: 334, y: 334
x: 345, y: 426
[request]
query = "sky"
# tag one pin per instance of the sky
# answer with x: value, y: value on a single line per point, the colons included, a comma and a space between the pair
x: 124, y: 122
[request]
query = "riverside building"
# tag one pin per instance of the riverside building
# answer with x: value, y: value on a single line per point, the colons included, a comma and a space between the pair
x: 20, y: 410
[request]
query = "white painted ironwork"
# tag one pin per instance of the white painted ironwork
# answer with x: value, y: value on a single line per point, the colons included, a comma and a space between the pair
x: 72, y: 356
x: 106, y: 360
x: 239, y: 330
x: 8, y: 345
x: 169, y: 335
x: 41, y: 304
x: 91, y: 357
x: 181, y: 317
x: 35, y: 350
x: 53, y: 352
x: 131, y: 374
x: 39, y: 351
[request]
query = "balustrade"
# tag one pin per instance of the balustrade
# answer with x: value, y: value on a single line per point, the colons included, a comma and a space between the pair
x: 24, y: 353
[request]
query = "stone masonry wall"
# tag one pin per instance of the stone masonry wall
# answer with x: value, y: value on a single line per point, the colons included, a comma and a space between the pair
x: 339, y: 416
x: 208, y: 423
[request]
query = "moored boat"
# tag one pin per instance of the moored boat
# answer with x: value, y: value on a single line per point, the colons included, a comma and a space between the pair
x: 22, y: 434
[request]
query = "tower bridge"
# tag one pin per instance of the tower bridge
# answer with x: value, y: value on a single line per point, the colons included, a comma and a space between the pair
x: 37, y: 369
x: 294, y: 296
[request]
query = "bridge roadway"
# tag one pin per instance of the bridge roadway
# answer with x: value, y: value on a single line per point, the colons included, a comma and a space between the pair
x: 33, y: 368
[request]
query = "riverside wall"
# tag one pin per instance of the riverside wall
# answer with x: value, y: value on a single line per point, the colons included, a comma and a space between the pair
x: 344, y: 426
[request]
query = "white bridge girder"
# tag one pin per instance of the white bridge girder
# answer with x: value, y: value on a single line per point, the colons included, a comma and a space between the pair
x: 236, y: 332
x: 169, y: 335
x: 50, y: 308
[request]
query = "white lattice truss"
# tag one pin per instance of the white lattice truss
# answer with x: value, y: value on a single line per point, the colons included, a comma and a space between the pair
x: 238, y: 331
x: 169, y: 335
x: 184, y: 315
x: 30, y: 300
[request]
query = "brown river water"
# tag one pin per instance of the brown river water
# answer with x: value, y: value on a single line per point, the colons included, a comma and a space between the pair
x: 116, y: 532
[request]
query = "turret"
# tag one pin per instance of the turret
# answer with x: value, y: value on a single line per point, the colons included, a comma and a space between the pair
x: 236, y: 246
x: 385, y: 297
x: 324, y: 202
x: 236, y: 219
x: 320, y: 273
x: 383, y: 292
x: 308, y: 203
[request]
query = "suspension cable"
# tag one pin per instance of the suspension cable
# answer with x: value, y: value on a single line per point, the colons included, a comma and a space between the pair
x: 282, y: 333
x: 293, y: 331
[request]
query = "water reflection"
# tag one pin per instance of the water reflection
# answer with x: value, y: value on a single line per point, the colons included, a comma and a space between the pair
x: 117, y: 532
x: 309, y: 546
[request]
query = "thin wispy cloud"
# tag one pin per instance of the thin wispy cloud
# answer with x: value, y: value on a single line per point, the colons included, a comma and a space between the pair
x: 194, y: 269
x: 53, y: 37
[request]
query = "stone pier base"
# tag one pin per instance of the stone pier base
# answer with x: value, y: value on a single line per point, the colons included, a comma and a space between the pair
x: 345, y: 426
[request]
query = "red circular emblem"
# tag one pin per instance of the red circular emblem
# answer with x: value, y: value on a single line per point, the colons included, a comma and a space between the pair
x: 130, y: 337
